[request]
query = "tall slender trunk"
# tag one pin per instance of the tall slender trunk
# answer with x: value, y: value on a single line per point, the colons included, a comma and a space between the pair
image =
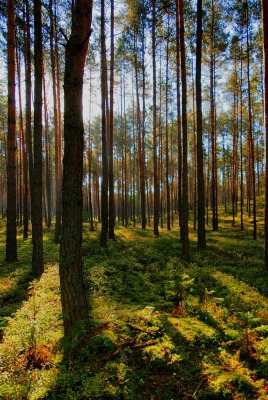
x: 167, y: 138
x: 184, y: 222
x: 265, y: 56
x: 28, y: 100
x: 11, y: 227
x: 143, y: 165
x: 56, y: 125
x: 155, y: 141
x: 178, y: 73
x: 111, y: 134
x: 48, y: 191
x: 104, y: 186
x: 251, y: 163
x: 241, y: 147
x: 37, y: 229
x: 199, y: 127
x: 23, y: 166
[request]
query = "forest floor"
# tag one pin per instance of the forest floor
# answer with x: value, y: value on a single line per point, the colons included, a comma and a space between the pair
x: 164, y: 327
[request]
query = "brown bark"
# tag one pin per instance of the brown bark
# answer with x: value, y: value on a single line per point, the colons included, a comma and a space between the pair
x: 28, y: 102
x: 48, y: 191
x: 178, y: 83
x: 23, y: 192
x: 105, y: 183
x: 167, y: 138
x: 111, y: 134
x: 184, y: 222
x: 265, y: 55
x: 56, y: 124
x: 155, y: 144
x: 11, y: 229
x: 199, y: 126
x: 37, y: 229
x: 251, y: 158
x: 73, y: 297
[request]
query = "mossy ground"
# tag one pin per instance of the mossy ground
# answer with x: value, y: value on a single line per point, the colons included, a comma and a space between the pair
x: 163, y: 327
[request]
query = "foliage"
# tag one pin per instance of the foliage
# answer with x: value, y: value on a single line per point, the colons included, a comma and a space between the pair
x: 162, y: 327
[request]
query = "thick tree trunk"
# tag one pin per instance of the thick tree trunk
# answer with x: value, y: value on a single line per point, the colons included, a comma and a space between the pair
x: 73, y: 297
x: 11, y: 228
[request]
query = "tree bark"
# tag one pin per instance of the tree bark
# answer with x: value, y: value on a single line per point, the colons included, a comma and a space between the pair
x: 105, y: 182
x: 200, y: 173
x: 28, y: 108
x: 155, y: 144
x: 111, y: 134
x: 184, y: 221
x: 37, y: 229
x: 265, y: 56
x: 56, y: 126
x: 11, y: 227
x: 73, y: 297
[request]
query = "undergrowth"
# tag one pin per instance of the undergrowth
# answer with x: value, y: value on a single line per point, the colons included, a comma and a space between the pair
x: 163, y: 327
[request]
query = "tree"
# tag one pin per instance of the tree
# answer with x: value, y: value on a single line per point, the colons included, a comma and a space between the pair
x: 184, y: 215
x: 56, y: 124
x: 104, y: 119
x: 11, y: 232
x: 37, y: 230
x: 73, y: 297
x: 200, y: 172
x: 265, y: 54
x: 28, y: 110
x: 111, y: 133
x: 155, y: 144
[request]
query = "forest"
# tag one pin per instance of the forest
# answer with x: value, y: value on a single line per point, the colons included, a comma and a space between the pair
x: 133, y: 199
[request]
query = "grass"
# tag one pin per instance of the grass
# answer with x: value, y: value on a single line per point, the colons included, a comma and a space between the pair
x: 163, y: 327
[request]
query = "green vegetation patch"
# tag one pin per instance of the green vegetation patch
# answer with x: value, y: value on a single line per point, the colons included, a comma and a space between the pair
x: 163, y: 327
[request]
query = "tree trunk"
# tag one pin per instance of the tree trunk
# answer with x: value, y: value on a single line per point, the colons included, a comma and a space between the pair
x: 28, y: 103
x: 179, y: 205
x: 167, y: 138
x: 37, y: 229
x: 155, y: 144
x: 111, y: 134
x: 200, y: 173
x: 56, y: 126
x: 265, y: 53
x: 104, y: 186
x: 48, y: 191
x: 184, y: 222
x: 73, y: 297
x: 251, y: 161
x: 11, y: 227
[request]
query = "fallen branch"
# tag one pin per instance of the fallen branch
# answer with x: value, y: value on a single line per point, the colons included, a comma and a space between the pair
x: 199, y: 386
x: 137, y: 328
x: 145, y: 344
x: 130, y: 343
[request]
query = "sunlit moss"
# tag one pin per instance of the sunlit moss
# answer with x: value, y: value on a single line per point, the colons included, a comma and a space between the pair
x: 191, y: 328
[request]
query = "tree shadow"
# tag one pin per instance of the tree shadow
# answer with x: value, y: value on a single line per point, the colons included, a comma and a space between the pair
x: 15, y: 279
